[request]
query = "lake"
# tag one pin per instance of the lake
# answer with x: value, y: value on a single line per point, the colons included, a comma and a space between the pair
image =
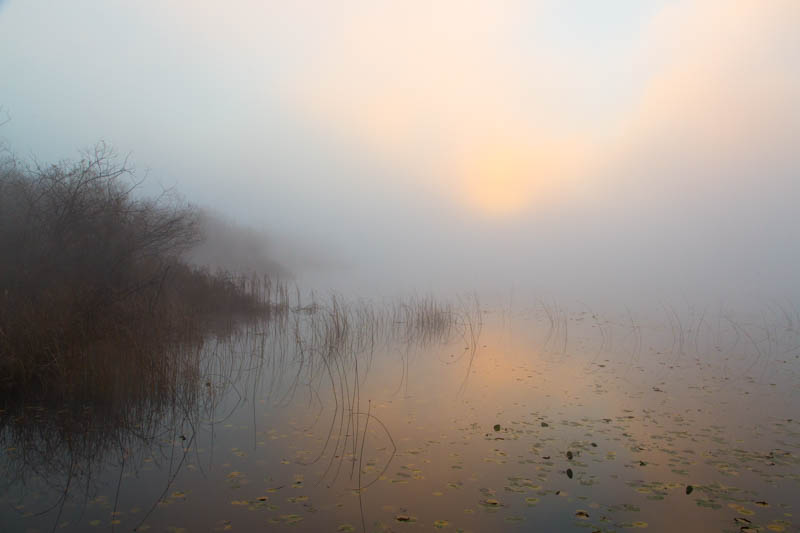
x: 414, y: 414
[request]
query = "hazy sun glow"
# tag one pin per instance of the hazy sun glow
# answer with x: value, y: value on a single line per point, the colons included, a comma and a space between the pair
x: 503, y: 178
x: 483, y: 98
x: 569, y: 142
x: 497, y: 181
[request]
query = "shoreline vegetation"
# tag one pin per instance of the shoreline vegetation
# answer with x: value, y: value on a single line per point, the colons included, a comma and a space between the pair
x: 99, y: 295
x: 94, y: 277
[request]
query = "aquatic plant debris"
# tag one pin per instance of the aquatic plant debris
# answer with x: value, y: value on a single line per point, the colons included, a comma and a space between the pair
x: 425, y: 458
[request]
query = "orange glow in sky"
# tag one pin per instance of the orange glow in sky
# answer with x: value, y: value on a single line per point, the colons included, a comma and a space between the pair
x: 501, y: 179
x: 474, y: 98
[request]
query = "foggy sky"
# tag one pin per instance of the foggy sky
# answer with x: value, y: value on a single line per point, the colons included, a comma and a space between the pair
x: 590, y: 149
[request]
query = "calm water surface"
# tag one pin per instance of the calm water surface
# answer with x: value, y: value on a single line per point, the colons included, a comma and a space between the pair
x: 492, y: 419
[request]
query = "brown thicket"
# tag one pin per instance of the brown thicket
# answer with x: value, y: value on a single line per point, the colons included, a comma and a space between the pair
x: 88, y: 266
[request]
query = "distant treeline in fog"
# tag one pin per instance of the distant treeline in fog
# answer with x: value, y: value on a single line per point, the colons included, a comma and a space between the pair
x: 86, y: 263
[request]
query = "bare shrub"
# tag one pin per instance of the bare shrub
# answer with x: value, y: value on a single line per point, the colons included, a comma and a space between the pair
x: 84, y: 260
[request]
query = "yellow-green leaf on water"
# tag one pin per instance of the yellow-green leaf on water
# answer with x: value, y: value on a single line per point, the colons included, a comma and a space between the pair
x: 441, y: 524
x: 346, y: 528
x: 291, y: 518
x: 741, y: 509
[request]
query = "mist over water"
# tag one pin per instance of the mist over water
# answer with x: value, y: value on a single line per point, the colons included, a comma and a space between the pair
x: 381, y: 266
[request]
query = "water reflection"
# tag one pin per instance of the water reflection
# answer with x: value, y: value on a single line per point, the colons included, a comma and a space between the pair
x: 355, y: 415
x: 59, y: 446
